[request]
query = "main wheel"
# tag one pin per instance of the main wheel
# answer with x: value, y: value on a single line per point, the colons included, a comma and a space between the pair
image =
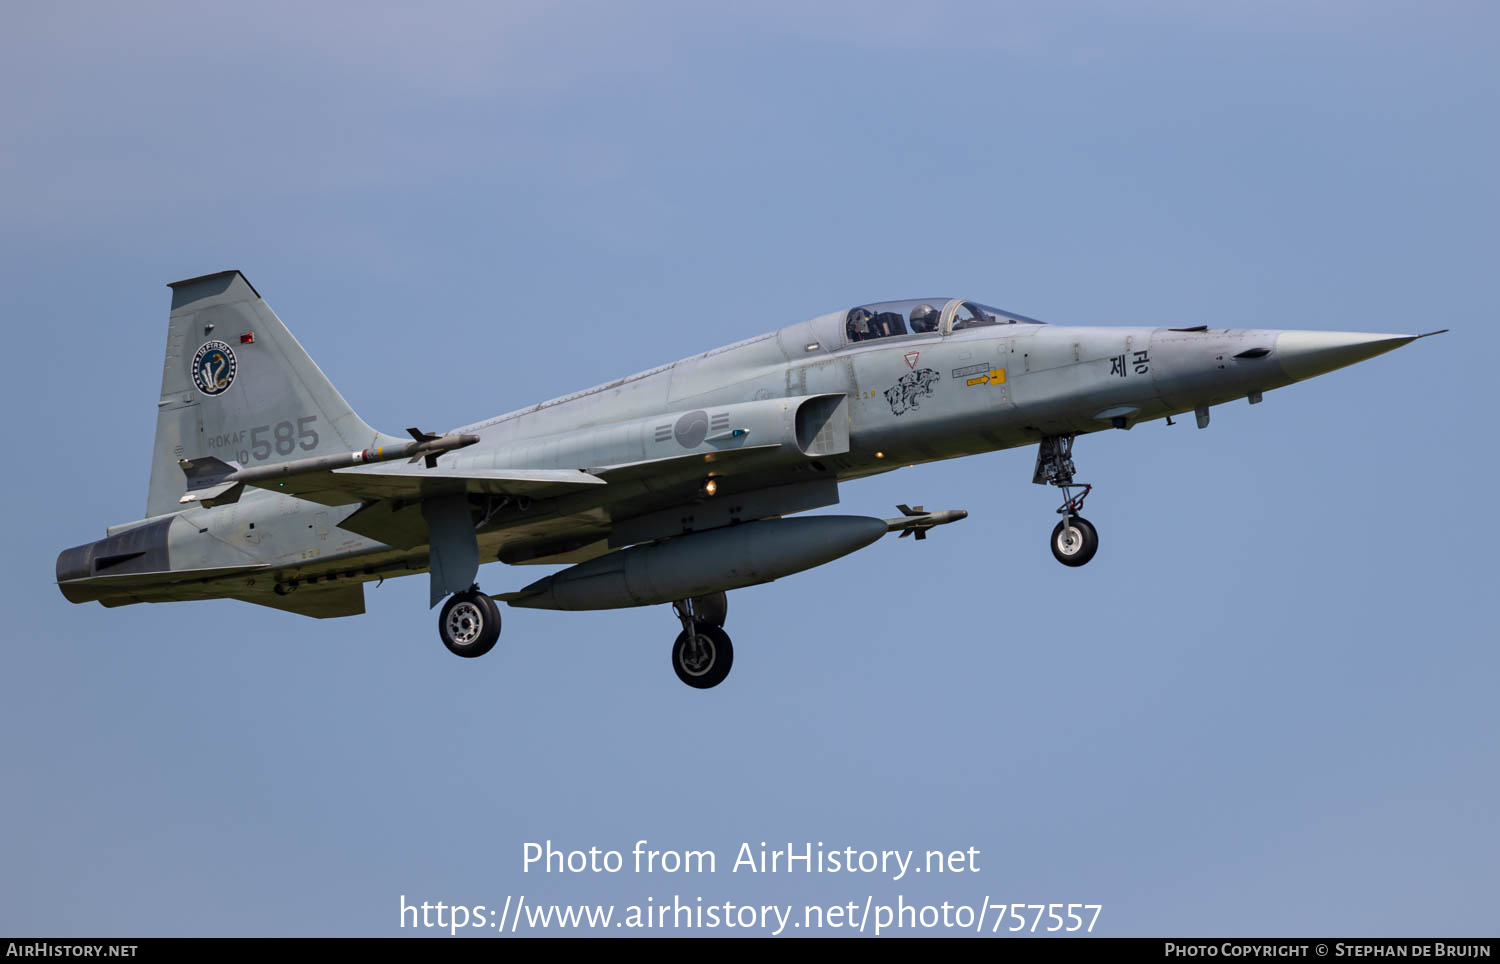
x: 1074, y: 541
x: 469, y: 624
x: 706, y: 664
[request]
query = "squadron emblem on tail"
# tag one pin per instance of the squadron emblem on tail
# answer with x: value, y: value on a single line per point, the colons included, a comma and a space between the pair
x: 213, y: 368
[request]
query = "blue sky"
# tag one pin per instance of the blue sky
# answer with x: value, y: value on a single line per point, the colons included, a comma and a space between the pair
x: 1266, y: 708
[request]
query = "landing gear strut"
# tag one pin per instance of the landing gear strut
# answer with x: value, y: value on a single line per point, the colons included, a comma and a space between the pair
x: 1074, y: 540
x: 702, y: 654
x: 469, y: 623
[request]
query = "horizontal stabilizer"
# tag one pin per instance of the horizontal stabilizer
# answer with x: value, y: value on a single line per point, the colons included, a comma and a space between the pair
x: 215, y: 495
x: 319, y: 603
x: 207, y: 471
x: 167, y: 577
x: 126, y: 584
x: 207, y: 483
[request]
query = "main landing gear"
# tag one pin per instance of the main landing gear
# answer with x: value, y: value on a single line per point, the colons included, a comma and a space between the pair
x: 469, y: 623
x: 702, y: 654
x: 1074, y: 540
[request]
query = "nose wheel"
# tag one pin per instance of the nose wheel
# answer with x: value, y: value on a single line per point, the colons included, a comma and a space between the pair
x: 469, y: 623
x: 1074, y: 540
x: 702, y: 654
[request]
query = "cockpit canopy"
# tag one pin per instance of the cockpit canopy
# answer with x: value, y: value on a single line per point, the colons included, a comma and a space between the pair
x: 923, y: 316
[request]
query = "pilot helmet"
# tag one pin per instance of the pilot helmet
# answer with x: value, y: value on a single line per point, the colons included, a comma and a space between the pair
x: 924, y: 318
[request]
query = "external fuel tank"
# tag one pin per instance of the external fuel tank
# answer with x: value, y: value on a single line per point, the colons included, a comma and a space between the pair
x: 731, y: 557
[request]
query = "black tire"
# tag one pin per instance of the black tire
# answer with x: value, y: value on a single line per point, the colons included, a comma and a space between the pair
x: 469, y: 624
x: 1074, y: 541
x: 713, y: 661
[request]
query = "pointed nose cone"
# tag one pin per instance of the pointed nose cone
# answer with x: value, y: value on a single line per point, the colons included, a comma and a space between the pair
x: 1304, y: 354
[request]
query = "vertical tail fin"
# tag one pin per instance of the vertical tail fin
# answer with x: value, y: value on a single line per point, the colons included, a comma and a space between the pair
x: 238, y: 386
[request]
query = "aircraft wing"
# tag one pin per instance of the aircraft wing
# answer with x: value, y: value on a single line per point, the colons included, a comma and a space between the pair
x: 694, y: 463
x: 391, y: 497
x: 376, y: 483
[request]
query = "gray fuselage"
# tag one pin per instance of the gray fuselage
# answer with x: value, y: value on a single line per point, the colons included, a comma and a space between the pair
x: 740, y: 415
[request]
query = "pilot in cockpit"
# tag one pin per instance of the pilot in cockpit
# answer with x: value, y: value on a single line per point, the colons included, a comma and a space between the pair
x: 859, y: 324
x: 924, y: 318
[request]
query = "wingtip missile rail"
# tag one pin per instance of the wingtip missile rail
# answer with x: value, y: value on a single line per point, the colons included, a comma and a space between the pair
x: 212, y: 481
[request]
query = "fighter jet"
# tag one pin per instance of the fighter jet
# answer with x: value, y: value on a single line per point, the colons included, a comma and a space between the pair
x: 670, y: 486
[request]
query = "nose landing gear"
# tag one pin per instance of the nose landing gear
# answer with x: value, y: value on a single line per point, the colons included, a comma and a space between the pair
x: 1074, y: 540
